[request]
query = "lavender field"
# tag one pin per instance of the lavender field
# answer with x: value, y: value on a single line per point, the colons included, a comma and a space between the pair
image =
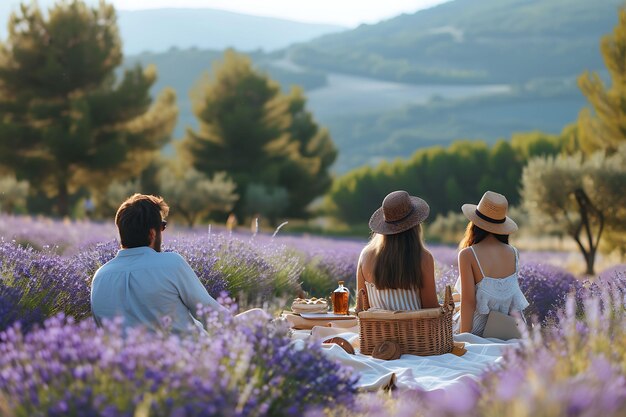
x: 54, y: 361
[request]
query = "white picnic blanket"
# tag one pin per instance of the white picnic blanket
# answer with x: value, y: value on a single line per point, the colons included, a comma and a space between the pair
x: 447, y: 373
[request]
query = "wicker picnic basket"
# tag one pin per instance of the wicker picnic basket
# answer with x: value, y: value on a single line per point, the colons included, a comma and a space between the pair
x: 423, y: 332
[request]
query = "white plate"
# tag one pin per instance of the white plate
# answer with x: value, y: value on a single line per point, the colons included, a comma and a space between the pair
x: 326, y: 316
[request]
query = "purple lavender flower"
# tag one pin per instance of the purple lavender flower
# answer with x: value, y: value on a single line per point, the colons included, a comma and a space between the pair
x: 546, y: 287
x: 239, y: 369
x: 9, y: 308
x: 56, y: 236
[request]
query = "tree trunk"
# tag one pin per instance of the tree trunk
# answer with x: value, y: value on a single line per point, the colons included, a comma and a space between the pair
x: 584, y: 251
x: 586, y: 210
x: 62, y: 199
x: 190, y: 221
x: 591, y: 260
x: 272, y: 221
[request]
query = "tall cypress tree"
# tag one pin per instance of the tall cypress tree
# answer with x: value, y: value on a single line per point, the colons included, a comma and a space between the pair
x: 605, y: 128
x: 65, y: 120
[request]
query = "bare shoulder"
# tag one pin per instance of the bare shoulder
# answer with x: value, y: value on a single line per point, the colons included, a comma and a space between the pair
x: 465, y: 255
x: 427, y: 256
x: 367, y: 255
x: 366, y: 263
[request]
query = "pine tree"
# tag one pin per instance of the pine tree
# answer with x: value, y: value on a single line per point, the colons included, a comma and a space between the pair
x: 605, y: 128
x: 261, y: 137
x: 242, y: 123
x: 65, y: 119
x: 306, y: 176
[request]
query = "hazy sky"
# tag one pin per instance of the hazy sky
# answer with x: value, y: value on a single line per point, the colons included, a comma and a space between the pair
x: 342, y: 12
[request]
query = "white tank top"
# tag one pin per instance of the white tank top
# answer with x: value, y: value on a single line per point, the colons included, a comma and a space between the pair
x: 497, y: 294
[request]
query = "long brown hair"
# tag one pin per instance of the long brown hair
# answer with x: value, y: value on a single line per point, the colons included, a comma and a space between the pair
x: 474, y: 234
x: 398, y: 259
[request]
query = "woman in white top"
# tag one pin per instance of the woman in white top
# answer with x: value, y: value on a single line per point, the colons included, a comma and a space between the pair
x: 394, y: 268
x: 488, y: 265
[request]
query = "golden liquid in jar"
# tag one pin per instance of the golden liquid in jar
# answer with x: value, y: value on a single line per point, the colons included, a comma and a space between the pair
x: 340, y: 302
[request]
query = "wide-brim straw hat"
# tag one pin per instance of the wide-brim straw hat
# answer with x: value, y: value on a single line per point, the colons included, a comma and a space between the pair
x: 399, y: 212
x: 491, y: 214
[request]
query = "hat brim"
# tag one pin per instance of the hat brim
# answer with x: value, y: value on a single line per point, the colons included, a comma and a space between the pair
x: 420, y: 212
x: 506, y: 228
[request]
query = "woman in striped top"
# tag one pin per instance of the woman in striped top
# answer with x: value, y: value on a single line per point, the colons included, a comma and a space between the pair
x: 394, y: 268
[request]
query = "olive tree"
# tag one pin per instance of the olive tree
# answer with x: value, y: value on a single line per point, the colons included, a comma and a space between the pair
x: 193, y: 195
x: 108, y: 202
x: 578, y: 197
x: 13, y: 193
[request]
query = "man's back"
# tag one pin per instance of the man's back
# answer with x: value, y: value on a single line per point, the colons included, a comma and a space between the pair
x: 142, y: 286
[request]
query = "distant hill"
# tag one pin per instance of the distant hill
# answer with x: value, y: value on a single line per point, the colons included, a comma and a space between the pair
x: 181, y: 69
x: 369, y: 138
x: 371, y: 120
x: 522, y: 58
x: 473, y: 69
x: 158, y: 30
x: 470, y: 41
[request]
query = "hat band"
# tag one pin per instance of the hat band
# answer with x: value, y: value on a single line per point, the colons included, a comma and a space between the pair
x: 489, y: 219
x: 402, y: 219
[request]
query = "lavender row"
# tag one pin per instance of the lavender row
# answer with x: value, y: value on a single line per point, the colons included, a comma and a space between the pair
x: 35, y: 285
x: 66, y: 237
x: 238, y: 368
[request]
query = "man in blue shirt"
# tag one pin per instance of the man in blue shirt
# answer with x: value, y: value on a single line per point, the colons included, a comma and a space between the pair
x: 142, y: 284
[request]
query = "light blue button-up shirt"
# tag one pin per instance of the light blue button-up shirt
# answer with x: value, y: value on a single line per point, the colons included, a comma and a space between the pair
x: 142, y: 286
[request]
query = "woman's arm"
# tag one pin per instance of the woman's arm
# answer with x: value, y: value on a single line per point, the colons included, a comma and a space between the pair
x: 468, y: 291
x: 428, y: 293
x: 360, y: 278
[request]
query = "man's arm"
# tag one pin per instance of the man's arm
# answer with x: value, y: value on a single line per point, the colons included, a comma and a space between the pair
x: 192, y: 292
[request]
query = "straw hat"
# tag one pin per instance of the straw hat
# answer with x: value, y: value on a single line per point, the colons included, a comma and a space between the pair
x: 399, y: 212
x: 490, y: 214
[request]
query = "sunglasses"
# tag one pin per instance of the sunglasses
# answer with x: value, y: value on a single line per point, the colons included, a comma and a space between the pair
x: 163, y: 225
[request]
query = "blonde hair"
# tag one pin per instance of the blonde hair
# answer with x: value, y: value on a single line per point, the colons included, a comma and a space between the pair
x: 397, y: 259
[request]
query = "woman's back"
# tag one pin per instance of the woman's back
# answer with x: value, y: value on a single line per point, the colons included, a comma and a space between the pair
x: 494, y: 260
x: 488, y: 265
x: 497, y: 286
x: 394, y: 268
x: 397, y: 298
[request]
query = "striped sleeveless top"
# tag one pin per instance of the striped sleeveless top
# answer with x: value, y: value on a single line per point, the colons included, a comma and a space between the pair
x: 393, y: 299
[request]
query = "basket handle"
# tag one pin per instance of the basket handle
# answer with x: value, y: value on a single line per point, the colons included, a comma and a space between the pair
x: 448, y: 301
x: 362, y: 302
